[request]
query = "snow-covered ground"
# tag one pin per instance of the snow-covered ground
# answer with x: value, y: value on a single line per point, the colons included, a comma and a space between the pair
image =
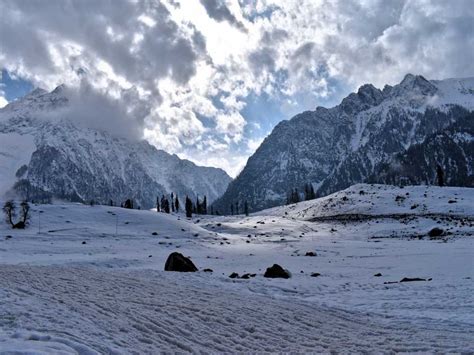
x: 86, y: 280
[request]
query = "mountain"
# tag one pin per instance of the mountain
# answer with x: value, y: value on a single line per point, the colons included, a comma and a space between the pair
x: 364, y: 138
x: 44, y: 154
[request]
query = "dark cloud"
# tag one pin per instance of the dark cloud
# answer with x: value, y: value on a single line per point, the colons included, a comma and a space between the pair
x: 108, y: 30
x: 218, y: 10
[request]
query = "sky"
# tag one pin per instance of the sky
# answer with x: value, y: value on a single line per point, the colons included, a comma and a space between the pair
x: 209, y: 79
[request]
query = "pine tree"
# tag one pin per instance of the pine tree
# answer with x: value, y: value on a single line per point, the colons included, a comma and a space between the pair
x: 167, y: 205
x: 204, y: 205
x: 163, y: 209
x: 440, y: 175
x: 308, y: 192
x: 212, y: 210
x: 232, y: 209
x: 157, y: 204
x: 246, y: 208
x: 176, y: 203
x: 237, y: 207
x: 189, y: 207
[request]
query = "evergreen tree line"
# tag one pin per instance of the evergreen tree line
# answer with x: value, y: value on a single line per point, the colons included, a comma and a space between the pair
x: 200, y: 207
x: 166, y: 205
x: 236, y: 208
x: 294, y: 195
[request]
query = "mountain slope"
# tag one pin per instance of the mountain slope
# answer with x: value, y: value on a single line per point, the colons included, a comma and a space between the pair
x: 64, y: 160
x: 337, y: 147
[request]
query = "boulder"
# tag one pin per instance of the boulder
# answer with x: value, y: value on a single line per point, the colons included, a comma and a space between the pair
x: 436, y: 232
x: 310, y: 253
x: 178, y: 262
x: 234, y: 275
x: 276, y: 271
x: 315, y: 274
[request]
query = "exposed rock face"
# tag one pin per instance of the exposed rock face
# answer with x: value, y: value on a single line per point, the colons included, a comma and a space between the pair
x: 81, y: 164
x: 368, y: 137
x: 178, y: 262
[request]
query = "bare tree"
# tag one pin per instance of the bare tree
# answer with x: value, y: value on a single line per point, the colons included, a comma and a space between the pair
x: 25, y: 209
x: 9, y: 209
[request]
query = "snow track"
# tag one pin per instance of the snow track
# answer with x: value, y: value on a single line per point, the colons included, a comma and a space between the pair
x: 85, y: 310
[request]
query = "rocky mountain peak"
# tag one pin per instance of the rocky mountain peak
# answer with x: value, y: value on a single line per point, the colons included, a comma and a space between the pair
x: 336, y: 147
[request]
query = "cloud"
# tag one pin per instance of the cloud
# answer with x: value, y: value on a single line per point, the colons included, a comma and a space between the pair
x: 94, y: 108
x: 3, y: 101
x: 182, y: 73
x: 218, y: 10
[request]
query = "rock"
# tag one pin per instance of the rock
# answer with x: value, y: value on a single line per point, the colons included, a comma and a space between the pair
x: 84, y: 242
x: 310, y: 253
x: 436, y: 232
x: 208, y: 270
x: 248, y: 276
x: 8, y: 237
x: 234, y: 275
x: 315, y: 274
x: 378, y: 274
x: 411, y: 279
x: 177, y: 262
x: 154, y: 233
x: 276, y: 271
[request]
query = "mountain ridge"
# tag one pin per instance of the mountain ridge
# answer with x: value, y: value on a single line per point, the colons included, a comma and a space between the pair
x: 82, y: 164
x: 369, y: 127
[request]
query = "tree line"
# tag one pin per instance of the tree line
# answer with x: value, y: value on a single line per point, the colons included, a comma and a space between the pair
x: 294, y: 196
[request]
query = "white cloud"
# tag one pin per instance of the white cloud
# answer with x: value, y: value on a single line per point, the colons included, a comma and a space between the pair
x: 3, y: 101
x: 192, y: 65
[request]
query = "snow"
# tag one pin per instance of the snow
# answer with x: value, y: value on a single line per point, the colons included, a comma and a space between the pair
x: 15, y: 151
x: 110, y: 295
x: 455, y: 92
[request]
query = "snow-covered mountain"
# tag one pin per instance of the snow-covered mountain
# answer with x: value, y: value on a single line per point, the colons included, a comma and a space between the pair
x: 372, y: 135
x: 43, y: 154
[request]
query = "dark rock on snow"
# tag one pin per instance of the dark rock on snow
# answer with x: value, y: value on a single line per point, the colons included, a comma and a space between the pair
x: 247, y: 276
x: 276, y: 271
x: 411, y: 279
x: 436, y: 232
x: 178, y: 262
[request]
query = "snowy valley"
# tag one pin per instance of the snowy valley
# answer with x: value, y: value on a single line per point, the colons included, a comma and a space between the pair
x: 89, y: 279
